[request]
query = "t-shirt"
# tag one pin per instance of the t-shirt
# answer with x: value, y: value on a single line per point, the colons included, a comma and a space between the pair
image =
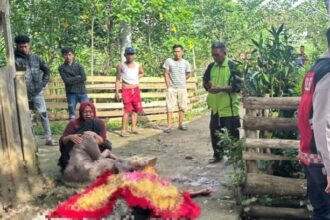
x: 178, y: 70
x: 224, y: 103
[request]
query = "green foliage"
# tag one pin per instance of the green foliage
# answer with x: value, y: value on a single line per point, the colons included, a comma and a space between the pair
x: 93, y: 29
x: 273, y: 69
x: 57, y: 128
x: 3, y: 58
x: 231, y: 149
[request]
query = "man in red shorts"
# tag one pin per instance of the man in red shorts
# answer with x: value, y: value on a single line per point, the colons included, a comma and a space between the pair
x: 129, y: 73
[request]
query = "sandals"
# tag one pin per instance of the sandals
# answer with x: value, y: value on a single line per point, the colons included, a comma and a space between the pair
x: 182, y: 128
x: 124, y: 134
x: 136, y: 132
x: 168, y: 130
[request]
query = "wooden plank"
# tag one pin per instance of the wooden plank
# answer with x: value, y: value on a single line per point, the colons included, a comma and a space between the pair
x: 27, y: 137
x: 271, y: 143
x: 112, y: 79
x: 262, y: 184
x: 251, y: 166
x: 115, y: 105
x: 28, y: 141
x: 261, y: 156
x: 265, y: 123
x: 258, y: 211
x: 111, y: 95
x: 271, y: 102
x: 111, y: 86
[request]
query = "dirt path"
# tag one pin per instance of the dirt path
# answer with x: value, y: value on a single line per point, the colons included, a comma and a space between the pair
x: 182, y: 158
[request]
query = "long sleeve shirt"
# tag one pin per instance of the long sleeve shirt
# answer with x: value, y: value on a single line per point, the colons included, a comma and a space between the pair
x: 73, y: 77
x: 321, y: 118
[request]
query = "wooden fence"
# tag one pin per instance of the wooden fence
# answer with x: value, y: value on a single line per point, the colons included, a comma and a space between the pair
x: 101, y: 91
x: 256, y: 122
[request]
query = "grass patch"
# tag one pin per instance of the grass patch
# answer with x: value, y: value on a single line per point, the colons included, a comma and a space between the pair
x: 57, y: 128
x: 113, y: 124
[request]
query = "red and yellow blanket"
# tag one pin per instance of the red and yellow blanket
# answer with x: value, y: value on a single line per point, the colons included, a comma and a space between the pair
x: 144, y: 189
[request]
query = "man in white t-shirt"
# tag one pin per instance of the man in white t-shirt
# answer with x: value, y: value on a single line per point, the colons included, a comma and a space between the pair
x: 177, y: 71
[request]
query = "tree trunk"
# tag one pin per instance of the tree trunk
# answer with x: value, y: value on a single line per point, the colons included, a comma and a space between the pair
x: 258, y: 211
x: 126, y: 38
x: 271, y: 102
x: 262, y: 184
x: 271, y: 143
x: 110, y: 24
x: 269, y: 124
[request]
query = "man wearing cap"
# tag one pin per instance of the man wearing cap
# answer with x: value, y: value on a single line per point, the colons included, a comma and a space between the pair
x: 129, y: 73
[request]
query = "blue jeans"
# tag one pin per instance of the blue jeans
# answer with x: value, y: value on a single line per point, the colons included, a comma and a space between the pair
x: 73, y: 99
x: 40, y: 106
x: 316, y: 184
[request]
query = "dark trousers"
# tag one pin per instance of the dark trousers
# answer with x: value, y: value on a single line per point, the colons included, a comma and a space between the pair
x: 232, y: 125
x: 316, y: 184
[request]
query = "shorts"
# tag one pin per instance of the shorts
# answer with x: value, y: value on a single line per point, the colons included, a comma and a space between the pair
x: 176, y: 100
x: 132, y: 99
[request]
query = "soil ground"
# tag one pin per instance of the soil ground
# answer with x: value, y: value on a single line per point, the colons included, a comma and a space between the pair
x: 182, y: 158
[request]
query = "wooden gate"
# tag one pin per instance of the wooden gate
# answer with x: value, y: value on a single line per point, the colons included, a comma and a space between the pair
x: 289, y: 193
x: 19, y: 177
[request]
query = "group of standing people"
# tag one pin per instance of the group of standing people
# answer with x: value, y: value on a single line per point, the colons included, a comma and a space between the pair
x: 221, y: 80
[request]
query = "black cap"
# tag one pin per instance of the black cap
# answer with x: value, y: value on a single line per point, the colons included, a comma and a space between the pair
x: 129, y: 50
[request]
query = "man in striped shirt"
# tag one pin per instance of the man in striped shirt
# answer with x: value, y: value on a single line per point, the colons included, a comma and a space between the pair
x: 177, y: 71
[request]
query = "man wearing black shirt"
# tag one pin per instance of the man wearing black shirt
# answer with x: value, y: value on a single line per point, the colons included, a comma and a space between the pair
x: 74, y: 78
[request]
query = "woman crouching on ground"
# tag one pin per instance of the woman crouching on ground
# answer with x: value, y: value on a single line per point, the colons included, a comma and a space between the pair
x: 85, y: 150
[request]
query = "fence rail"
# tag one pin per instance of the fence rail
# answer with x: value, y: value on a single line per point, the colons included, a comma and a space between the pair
x: 101, y: 90
x: 258, y: 148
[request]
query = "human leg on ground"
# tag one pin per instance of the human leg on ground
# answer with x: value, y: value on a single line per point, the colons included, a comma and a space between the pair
x: 231, y: 124
x: 316, y: 184
x: 40, y: 106
x: 214, y: 128
x: 124, y: 124
x: 171, y: 106
x: 72, y: 103
x: 82, y: 97
x: 182, y: 98
x: 134, y: 122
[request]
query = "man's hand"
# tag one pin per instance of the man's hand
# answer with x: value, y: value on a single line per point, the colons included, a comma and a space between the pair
x: 214, y: 90
x: 75, y: 138
x: 117, y: 97
x: 208, y: 85
x: 327, y: 189
x: 89, y: 134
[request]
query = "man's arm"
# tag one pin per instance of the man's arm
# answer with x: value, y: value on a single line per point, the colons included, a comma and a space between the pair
x: 45, y: 69
x: 82, y: 73
x: 166, y: 73
x: 167, y: 78
x: 117, y: 85
x: 71, y: 80
x: 235, y: 83
x: 321, y: 122
x: 188, y: 70
x: 207, y: 77
x: 141, y: 71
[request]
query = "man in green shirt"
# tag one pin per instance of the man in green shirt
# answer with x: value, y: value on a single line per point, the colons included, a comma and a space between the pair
x: 223, y: 83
